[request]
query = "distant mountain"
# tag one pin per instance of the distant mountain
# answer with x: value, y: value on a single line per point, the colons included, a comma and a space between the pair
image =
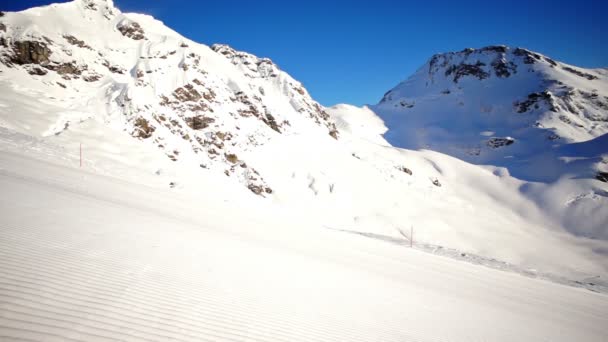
x: 502, y: 106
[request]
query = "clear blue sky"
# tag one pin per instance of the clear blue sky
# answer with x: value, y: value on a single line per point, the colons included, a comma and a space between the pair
x: 354, y: 51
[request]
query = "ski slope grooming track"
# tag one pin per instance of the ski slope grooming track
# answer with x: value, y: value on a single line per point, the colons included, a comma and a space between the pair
x: 116, y: 265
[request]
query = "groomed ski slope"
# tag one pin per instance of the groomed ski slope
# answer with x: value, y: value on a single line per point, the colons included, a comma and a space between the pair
x: 87, y: 257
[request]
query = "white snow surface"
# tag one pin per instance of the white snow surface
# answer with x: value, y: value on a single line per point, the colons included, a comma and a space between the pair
x: 90, y: 257
x: 218, y: 201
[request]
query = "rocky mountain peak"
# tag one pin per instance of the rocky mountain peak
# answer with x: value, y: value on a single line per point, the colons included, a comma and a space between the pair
x: 496, y: 105
x: 253, y: 66
x: 210, y: 107
x: 499, y: 61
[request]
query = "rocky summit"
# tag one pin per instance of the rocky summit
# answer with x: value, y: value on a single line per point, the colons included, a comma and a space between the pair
x: 498, y: 105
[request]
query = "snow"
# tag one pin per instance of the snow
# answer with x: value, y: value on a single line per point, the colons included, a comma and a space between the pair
x: 359, y: 122
x: 95, y: 258
x: 433, y: 108
x: 161, y: 235
x: 556, y: 144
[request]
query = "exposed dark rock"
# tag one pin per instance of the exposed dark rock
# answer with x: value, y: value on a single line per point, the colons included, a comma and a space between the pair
x: 232, y: 158
x: 199, y: 122
x: 405, y: 169
x: 406, y: 104
x: 334, y: 133
x: 92, y: 78
x: 209, y: 95
x: 113, y: 68
x: 66, y: 68
x: 494, y: 48
x: 75, y: 41
x: 30, y: 52
x: 187, y: 93
x: 2, y: 27
x: 271, y: 122
x: 131, y: 30
x: 143, y: 129
x: 91, y: 6
x: 320, y: 112
x: 500, y: 142
x: 256, y: 189
x: 465, y: 69
x: 224, y: 136
x: 434, y: 63
x: 565, y: 119
x: 550, y: 61
x: 529, y: 56
x: 580, y: 73
x: 37, y: 71
x: 504, y: 69
x: 61, y: 85
x: 436, y: 182
x: 249, y: 111
x: 602, y: 176
x: 533, y: 100
x: 1, y: 14
x: 116, y: 69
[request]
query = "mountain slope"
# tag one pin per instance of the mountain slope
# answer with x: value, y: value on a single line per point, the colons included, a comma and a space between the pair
x: 546, y: 122
x: 129, y: 71
x: 184, y: 267
x: 152, y: 107
x: 501, y: 106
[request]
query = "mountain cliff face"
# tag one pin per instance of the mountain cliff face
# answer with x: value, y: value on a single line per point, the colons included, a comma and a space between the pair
x: 498, y: 105
x: 151, y: 106
x: 209, y: 106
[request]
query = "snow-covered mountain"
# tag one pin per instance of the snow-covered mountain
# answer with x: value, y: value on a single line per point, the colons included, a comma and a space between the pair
x: 208, y: 106
x: 150, y: 106
x: 503, y: 106
x: 154, y: 188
